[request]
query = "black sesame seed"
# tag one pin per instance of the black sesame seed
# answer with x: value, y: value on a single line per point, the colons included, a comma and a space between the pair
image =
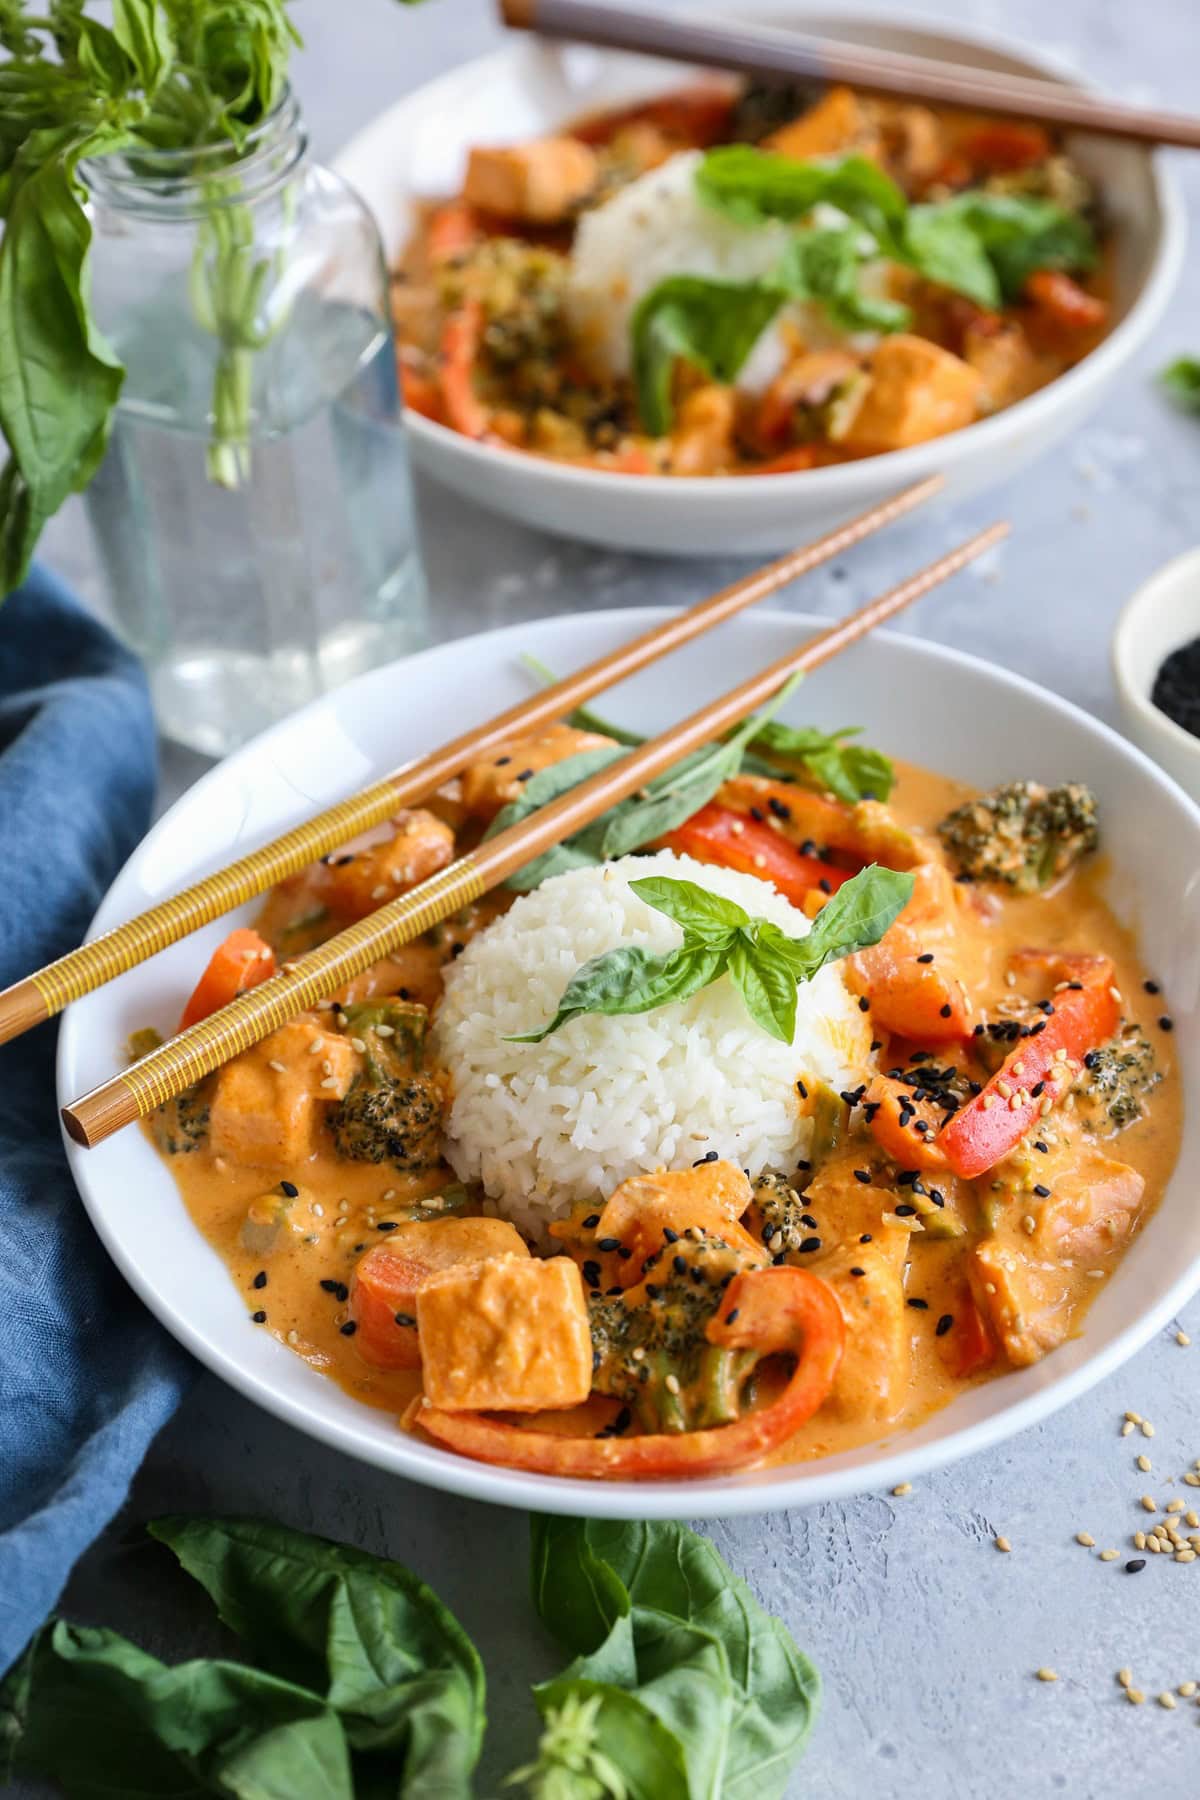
x: 609, y: 1243
x: 680, y: 1265
x: 625, y: 1253
x: 405, y: 1319
x: 386, y: 1225
x: 780, y: 1257
x: 260, y: 1280
x: 1166, y: 1023
x: 289, y: 1188
x: 863, y: 1175
x: 864, y: 1005
x: 979, y: 1031
x: 758, y: 815
x: 258, y: 1318
x: 1135, y: 1565
x: 709, y: 1156
x: 501, y: 761
x: 807, y: 1219
x: 768, y: 1232
x: 904, y: 1210
x: 1043, y: 1148
x: 591, y: 1222
x: 937, y: 1196
x: 612, y: 1292
x: 803, y: 1164
x: 802, y: 1090
x: 652, y: 1292
x: 591, y: 1274
x: 865, y: 1238
x: 1041, y: 1190
x: 349, y: 1328
x: 946, y: 1010
x: 943, y: 1325
x: 876, y: 1044
x: 858, y: 1272
x: 926, y: 956
x: 917, y: 1304
x: 779, y: 808
x: 1037, y: 1090
x: 1075, y: 986
x: 1090, y: 1060
x: 731, y: 1315
x: 525, y: 775
x: 672, y: 1237
x: 808, y: 1245
x: 456, y: 950
x: 1152, y: 987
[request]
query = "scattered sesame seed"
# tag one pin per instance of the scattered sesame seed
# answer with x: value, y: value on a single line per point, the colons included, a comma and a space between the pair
x: 1173, y: 1506
x: 1186, y: 1689
x: 1147, y: 1428
x: 1135, y: 1696
x: 1126, y: 1428
x: 1166, y: 1023
x: 1002, y: 1543
x: 349, y: 1328
x: 1185, y: 1556
x: 1125, y: 1677
x: 279, y: 1068
x: 289, y: 1188
x: 1135, y: 1565
x: 1182, y: 1338
x: 1143, y: 1463
x: 672, y: 1384
x: 258, y: 1318
x: 1167, y: 1700
x: 1109, y: 1555
x: 901, y: 1488
x: 1085, y: 1538
x: 1149, y: 1503
x: 1139, y: 1540
x: 1047, y: 1675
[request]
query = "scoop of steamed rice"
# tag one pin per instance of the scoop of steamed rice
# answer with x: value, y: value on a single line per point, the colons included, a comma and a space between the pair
x: 543, y: 1126
x: 658, y: 226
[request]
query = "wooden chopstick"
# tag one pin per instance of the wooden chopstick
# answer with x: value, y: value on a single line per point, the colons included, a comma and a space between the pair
x: 780, y: 56
x: 196, y: 1052
x: 39, y: 996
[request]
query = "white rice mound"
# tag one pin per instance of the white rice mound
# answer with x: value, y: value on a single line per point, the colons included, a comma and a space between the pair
x: 659, y: 226
x: 542, y: 1126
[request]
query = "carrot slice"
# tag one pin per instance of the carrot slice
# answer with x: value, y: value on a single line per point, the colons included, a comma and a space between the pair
x: 241, y: 962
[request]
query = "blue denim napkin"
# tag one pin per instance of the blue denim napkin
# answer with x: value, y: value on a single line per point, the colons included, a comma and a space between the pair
x: 86, y: 1376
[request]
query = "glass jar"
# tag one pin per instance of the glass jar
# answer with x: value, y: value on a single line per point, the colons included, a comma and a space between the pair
x: 253, y: 512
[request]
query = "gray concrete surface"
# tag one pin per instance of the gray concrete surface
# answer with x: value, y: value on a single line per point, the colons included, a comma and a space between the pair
x: 926, y: 1636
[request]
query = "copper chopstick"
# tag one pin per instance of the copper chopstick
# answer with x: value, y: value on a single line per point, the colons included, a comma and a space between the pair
x: 779, y: 55
x: 196, y: 1052
x: 39, y: 996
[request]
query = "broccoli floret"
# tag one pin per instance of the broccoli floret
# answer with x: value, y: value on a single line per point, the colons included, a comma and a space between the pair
x: 1115, y: 1078
x: 180, y: 1126
x: 777, y: 1215
x: 649, y: 1347
x: 1023, y: 834
x: 393, y: 1111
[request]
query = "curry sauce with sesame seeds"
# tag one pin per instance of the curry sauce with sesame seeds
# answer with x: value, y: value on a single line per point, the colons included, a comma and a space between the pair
x: 899, y: 1248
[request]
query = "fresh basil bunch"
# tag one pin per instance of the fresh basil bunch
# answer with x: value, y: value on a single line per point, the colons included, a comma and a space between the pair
x: 981, y: 244
x: 1181, y: 379
x: 721, y: 938
x: 364, y: 1686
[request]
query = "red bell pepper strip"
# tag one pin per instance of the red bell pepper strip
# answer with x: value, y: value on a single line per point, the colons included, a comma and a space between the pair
x: 768, y: 1310
x: 716, y: 834
x: 970, y: 1345
x: 1083, y: 1017
x: 1064, y: 302
x: 241, y: 962
x: 462, y: 335
x: 1003, y: 145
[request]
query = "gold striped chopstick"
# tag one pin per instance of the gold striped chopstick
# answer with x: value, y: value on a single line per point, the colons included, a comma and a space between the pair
x: 196, y: 1052
x: 39, y: 996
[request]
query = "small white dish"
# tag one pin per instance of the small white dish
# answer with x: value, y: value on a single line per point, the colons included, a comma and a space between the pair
x: 1162, y: 616
x: 919, y: 701
x: 417, y: 149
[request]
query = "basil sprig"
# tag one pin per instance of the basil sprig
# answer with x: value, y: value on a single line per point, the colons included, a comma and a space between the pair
x: 1181, y: 379
x: 852, y: 772
x: 655, y: 809
x: 721, y: 938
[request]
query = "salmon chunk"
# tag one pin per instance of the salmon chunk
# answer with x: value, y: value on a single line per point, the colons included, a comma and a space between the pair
x: 1024, y: 1296
x: 510, y: 1334
x: 917, y: 391
x: 539, y: 183
x: 837, y: 124
x: 711, y: 1198
x: 927, y: 1001
x: 383, y: 1291
x: 868, y: 1279
x: 1092, y: 1205
x: 267, y: 1103
x: 359, y: 881
x: 490, y: 785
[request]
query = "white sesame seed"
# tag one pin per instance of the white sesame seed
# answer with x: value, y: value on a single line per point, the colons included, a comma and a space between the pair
x: 1134, y: 1418
x: 1085, y: 1538
x: 279, y: 1068
x: 389, y: 1193
x: 1109, y: 1555
x: 989, y: 1100
x: 380, y: 892
x: 1185, y: 1556
x: 1125, y: 1677
x: 318, y: 1210
x: 1002, y: 1543
x: 1002, y: 1087
x: 901, y: 1488
x: 1029, y: 1224
x: 314, y: 1046
x: 293, y: 1337
x: 1139, y: 1540
x: 329, y: 1081
x: 1173, y: 1506
x: 1191, y: 1479
x: 1126, y: 1428
x: 1135, y: 1696
x: 1182, y: 1339
x: 672, y: 1384
x: 1147, y: 1428
x: 1047, y: 1675
x: 220, y: 1165
x: 1150, y: 1504
x: 1167, y: 1700
x: 1144, y: 1464
x: 1187, y: 1689
x: 357, y: 1043
x: 385, y: 1031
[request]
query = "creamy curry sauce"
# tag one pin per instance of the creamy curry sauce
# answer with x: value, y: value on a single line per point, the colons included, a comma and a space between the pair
x: 301, y: 1285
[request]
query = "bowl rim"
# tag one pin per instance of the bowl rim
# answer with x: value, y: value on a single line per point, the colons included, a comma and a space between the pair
x: 840, y: 483
x: 443, y: 1470
x: 1141, y: 602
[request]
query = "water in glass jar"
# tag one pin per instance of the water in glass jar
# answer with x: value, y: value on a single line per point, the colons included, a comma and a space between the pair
x: 246, y: 603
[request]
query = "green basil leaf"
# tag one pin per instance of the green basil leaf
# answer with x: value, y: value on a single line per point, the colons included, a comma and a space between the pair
x: 1017, y: 233
x: 825, y: 266
x: 389, y: 1657
x: 583, y: 718
x: 577, y: 1594
x: 1181, y: 379
x: 676, y: 1571
x: 711, y: 324
x: 99, y: 1716
x: 943, y: 246
x: 59, y: 379
x: 767, y: 985
x: 630, y: 979
x: 752, y: 185
x: 850, y: 771
x: 649, y: 1760
x: 544, y: 787
x: 850, y: 920
x: 701, y: 914
x: 143, y: 31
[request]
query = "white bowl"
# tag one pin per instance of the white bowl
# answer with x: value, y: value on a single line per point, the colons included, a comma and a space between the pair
x: 418, y: 149
x: 1161, y: 616
x: 919, y: 701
